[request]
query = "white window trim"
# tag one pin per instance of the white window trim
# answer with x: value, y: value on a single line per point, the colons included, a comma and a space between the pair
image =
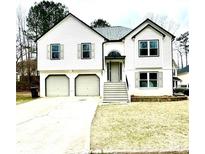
x: 148, y: 48
x: 90, y: 51
x: 148, y: 79
x: 59, y: 47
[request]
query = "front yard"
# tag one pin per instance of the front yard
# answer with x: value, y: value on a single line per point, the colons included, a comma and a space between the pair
x: 23, y: 97
x: 141, y: 126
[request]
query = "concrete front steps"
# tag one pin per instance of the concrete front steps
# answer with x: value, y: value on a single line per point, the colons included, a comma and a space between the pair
x: 115, y: 92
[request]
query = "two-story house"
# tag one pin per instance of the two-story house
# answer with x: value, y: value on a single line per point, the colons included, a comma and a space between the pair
x: 112, y: 62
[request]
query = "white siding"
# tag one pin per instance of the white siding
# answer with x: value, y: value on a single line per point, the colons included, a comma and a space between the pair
x: 165, y: 90
x: 70, y: 32
x: 108, y: 47
x: 147, y: 62
x: 134, y: 63
x: 119, y: 46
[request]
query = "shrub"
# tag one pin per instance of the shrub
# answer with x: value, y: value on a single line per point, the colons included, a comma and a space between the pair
x: 23, y: 84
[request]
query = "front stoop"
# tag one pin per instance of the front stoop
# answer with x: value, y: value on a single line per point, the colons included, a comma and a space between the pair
x: 115, y: 92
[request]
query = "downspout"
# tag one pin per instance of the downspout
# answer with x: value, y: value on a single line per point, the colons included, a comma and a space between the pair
x: 37, y: 59
x: 103, y: 60
x: 172, y: 65
x: 103, y: 54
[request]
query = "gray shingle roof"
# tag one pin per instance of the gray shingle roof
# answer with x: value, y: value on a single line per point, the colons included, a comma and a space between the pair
x: 114, y: 32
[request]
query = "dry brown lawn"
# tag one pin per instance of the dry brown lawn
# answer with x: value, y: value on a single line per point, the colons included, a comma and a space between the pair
x: 23, y: 97
x: 141, y: 126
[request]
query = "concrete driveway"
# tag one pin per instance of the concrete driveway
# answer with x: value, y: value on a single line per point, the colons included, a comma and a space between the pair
x: 59, y: 125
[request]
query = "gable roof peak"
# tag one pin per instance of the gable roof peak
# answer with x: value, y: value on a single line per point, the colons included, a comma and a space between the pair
x: 70, y: 14
x: 150, y: 22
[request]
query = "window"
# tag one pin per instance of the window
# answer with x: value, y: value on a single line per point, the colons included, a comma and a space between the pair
x: 148, y: 48
x: 55, y: 51
x: 153, y: 45
x: 148, y: 79
x: 152, y: 79
x: 143, y: 80
x: 143, y: 48
x: 86, y: 50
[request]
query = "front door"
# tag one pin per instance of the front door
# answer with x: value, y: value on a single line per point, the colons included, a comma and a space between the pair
x: 115, y: 73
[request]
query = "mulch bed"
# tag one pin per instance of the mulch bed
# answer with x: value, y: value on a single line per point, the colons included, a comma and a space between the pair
x: 157, y: 98
x: 139, y: 152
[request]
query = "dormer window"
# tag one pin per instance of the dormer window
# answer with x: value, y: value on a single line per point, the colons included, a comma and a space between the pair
x: 148, y: 48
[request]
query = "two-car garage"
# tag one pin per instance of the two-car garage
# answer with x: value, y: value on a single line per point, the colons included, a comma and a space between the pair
x: 85, y: 85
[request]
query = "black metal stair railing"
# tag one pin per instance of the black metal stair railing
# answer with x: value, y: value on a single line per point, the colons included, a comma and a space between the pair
x: 127, y: 82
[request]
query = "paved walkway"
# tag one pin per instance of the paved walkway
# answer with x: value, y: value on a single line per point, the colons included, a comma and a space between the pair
x: 55, y: 125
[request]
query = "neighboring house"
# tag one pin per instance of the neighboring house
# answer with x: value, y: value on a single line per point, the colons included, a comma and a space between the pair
x: 183, y: 74
x: 176, y: 80
x: 112, y: 62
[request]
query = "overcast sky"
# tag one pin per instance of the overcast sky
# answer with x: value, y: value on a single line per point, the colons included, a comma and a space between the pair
x: 128, y: 13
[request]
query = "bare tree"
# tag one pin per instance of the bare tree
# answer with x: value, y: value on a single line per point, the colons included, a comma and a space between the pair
x: 25, y: 46
x: 164, y: 22
x: 183, y: 40
x: 170, y: 26
x: 176, y: 47
x: 20, y: 52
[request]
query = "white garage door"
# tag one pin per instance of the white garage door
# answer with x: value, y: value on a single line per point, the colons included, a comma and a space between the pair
x: 87, y: 85
x: 57, y: 85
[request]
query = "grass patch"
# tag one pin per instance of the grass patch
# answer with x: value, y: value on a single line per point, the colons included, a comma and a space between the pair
x: 23, y: 97
x: 141, y: 126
